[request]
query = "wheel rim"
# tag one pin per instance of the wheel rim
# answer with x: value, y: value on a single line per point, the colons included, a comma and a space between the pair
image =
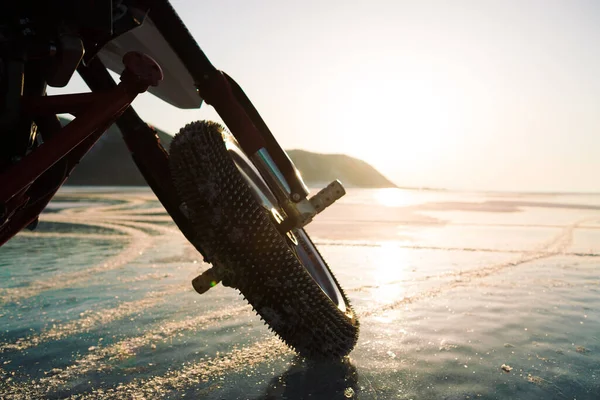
x: 313, y: 263
x: 298, y: 241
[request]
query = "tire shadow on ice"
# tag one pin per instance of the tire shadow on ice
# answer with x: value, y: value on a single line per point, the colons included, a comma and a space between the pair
x: 321, y: 380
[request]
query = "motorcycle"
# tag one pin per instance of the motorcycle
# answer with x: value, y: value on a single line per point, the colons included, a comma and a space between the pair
x: 233, y: 192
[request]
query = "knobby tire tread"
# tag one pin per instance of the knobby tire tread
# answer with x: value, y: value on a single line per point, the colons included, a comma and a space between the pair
x: 238, y: 236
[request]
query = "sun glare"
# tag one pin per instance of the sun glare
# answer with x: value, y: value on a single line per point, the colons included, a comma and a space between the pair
x: 405, y: 126
x: 390, y: 272
x: 392, y: 197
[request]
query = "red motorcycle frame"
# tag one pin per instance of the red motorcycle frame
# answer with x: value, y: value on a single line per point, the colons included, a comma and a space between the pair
x: 26, y: 186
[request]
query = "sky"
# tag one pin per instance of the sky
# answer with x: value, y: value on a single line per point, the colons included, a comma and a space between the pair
x: 473, y: 95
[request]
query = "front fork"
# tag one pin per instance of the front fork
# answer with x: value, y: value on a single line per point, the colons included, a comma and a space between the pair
x: 278, y: 171
x: 299, y: 211
x: 273, y: 164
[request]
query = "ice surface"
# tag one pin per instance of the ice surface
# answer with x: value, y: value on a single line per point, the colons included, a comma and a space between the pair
x: 459, y: 295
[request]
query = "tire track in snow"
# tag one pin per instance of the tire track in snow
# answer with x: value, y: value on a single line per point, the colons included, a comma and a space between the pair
x: 101, y: 358
x: 551, y: 248
x: 70, y: 235
x: 195, y: 373
x: 344, y: 243
x: 138, y: 242
x: 92, y: 319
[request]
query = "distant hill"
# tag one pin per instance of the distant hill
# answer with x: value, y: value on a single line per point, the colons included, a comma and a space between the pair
x: 320, y: 169
x: 109, y: 164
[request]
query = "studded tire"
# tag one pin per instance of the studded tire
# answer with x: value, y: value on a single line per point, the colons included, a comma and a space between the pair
x: 238, y: 236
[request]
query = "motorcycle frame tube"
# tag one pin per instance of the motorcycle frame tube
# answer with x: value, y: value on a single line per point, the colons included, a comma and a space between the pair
x: 27, y: 186
x: 148, y: 154
x: 102, y: 110
x: 224, y: 94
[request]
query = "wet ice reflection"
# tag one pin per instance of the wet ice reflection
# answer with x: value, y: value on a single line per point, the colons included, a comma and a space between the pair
x: 388, y: 270
x: 448, y: 292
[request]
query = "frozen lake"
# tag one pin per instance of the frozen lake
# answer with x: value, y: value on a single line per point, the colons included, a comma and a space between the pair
x: 448, y: 286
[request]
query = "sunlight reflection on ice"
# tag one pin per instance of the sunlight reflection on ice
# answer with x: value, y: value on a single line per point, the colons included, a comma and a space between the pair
x: 461, y: 287
x: 391, y: 266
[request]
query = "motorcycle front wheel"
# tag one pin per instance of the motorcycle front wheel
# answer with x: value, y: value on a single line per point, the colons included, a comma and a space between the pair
x: 282, y: 276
